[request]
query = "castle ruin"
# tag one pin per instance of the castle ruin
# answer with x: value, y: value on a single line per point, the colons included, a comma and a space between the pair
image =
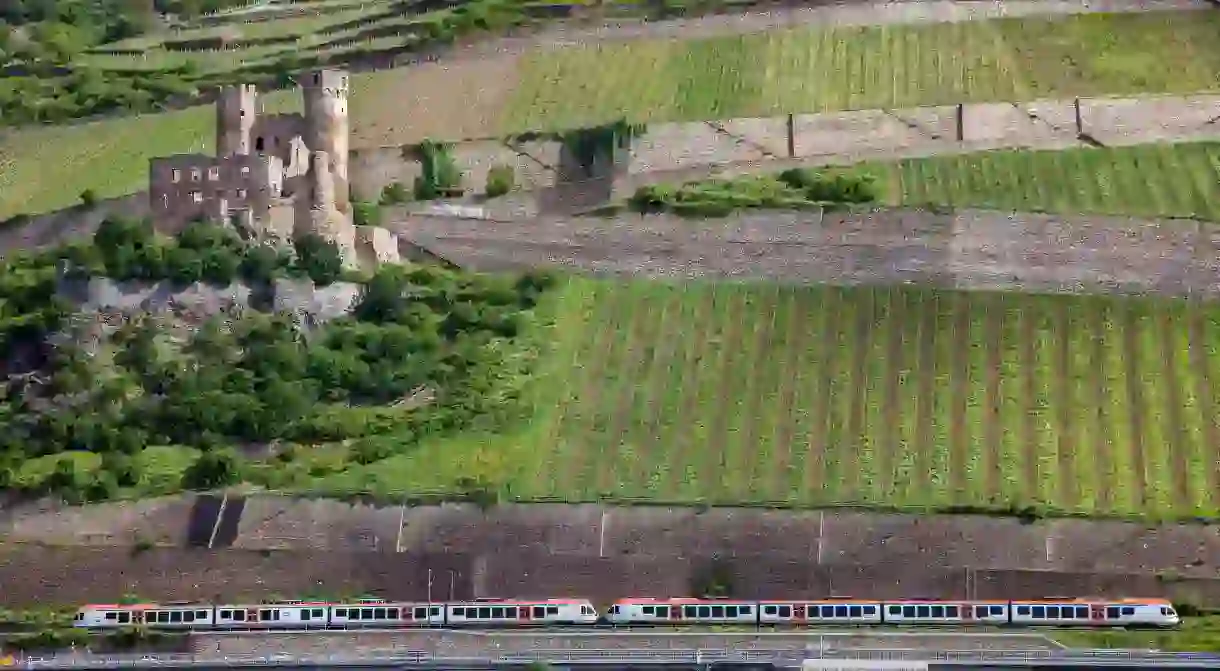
x: 275, y: 177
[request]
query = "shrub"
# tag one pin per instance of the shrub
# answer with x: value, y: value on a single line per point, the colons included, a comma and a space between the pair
x: 213, y: 469
x: 500, y: 180
x: 319, y: 258
x: 395, y: 193
x: 365, y: 213
x: 88, y: 198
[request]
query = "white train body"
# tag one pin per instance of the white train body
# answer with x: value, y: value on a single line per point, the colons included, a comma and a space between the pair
x: 371, y: 613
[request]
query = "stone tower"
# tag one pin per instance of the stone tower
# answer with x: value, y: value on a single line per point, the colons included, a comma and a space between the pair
x: 236, y: 112
x: 326, y: 125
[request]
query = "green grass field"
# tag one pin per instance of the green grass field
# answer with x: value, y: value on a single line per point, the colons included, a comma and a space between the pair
x: 735, y: 393
x: 803, y: 70
x: 791, y: 71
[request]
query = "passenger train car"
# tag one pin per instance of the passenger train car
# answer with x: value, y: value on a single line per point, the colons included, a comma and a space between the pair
x: 369, y: 613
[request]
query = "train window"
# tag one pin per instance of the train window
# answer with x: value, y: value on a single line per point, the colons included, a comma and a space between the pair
x: 164, y: 617
x: 539, y: 611
x: 552, y: 610
x: 705, y: 611
x: 115, y: 616
x: 1128, y: 610
x: 497, y: 612
x: 176, y: 616
x: 419, y: 613
x: 124, y: 618
x: 1022, y: 610
x: 730, y: 611
x: 745, y: 610
x: 840, y: 611
x: 436, y: 610
x: 511, y: 612
x: 459, y: 612
x: 908, y: 611
x: 1039, y: 613
x: 923, y: 611
x: 895, y: 610
x: 827, y: 611
x: 950, y: 611
x: 938, y: 611
x: 484, y: 613
x: 717, y: 611
x: 264, y: 615
x: 980, y: 611
x: 785, y: 611
x: 392, y: 613
x: 305, y: 614
x: 870, y: 611
x: 854, y: 611
x: 201, y: 615
x: 1082, y: 612
x: 1052, y: 612
x: 378, y: 613
x: 663, y: 611
x: 340, y: 612
x: 647, y: 610
x: 997, y: 610
x: 770, y: 610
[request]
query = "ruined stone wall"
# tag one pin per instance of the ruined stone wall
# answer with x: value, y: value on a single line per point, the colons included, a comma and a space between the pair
x: 188, y: 187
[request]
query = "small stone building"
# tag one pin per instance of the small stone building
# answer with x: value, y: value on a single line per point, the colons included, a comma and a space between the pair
x: 274, y: 176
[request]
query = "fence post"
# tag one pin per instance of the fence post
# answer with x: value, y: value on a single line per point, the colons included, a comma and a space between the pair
x: 791, y: 136
x: 1079, y: 121
x: 961, y: 122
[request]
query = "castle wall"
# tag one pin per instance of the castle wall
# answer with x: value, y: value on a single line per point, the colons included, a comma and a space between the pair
x: 533, y: 163
x: 274, y: 134
x: 194, y: 186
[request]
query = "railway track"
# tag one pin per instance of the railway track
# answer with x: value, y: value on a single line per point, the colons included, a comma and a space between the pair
x: 643, y: 629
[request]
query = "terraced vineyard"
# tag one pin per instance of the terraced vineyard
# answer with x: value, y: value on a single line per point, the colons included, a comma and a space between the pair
x: 803, y: 70
x: 1179, y: 180
x: 904, y: 397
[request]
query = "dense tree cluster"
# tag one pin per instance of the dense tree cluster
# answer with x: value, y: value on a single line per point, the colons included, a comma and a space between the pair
x: 245, y: 377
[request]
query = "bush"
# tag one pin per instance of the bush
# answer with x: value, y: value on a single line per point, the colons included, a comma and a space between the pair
x: 88, y: 198
x: 366, y: 214
x: 213, y: 469
x: 318, y: 258
x: 395, y: 193
x: 500, y: 180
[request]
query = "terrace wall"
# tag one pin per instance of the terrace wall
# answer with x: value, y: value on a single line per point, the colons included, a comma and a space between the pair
x: 289, y: 546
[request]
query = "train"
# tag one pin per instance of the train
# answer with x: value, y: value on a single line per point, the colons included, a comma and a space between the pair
x: 578, y: 612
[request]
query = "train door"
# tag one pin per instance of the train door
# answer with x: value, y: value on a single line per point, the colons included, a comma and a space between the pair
x: 1097, y: 612
x: 675, y: 612
x: 967, y: 612
x: 798, y: 612
x: 524, y: 613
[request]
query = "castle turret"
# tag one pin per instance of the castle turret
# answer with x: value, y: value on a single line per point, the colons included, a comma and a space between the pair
x: 236, y: 112
x: 326, y: 125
